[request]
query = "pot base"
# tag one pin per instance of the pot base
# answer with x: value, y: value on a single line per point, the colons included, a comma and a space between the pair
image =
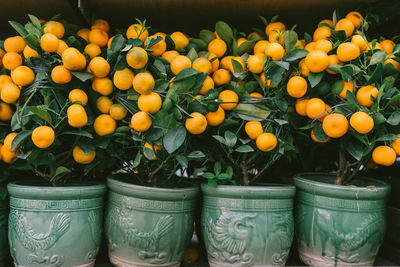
x: 314, y: 260
x: 90, y: 264
x: 123, y: 263
x: 219, y: 264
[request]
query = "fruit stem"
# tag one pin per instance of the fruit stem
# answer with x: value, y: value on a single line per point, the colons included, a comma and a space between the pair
x: 245, y: 173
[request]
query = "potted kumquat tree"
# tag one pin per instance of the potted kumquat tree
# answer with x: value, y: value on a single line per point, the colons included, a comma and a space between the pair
x: 349, y: 106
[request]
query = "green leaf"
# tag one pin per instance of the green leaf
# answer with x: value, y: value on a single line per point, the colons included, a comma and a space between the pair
x: 394, y: 118
x: 32, y: 41
x: 347, y: 73
x: 208, y: 175
x: 351, y: 98
x: 377, y: 74
x: 378, y: 118
x: 223, y: 176
x: 387, y: 137
x: 315, y: 78
x: 40, y: 112
x: 61, y: 170
x: 174, y: 139
x: 200, y: 43
x: 335, y: 68
x: 35, y: 21
x: 81, y: 75
x: 220, y: 139
x: 290, y: 39
x: 296, y: 54
x: 186, y: 73
x: 19, y: 138
x: 264, y: 20
x: 251, y: 112
x: 207, y: 36
x: 282, y: 64
x: 183, y: 161
x: 354, y: 150
x: 217, y: 168
x: 237, y: 67
x: 196, y: 155
x: 192, y: 54
x: 244, y: 149
x: 377, y: 57
x: 319, y: 133
x: 117, y: 43
x: 19, y: 28
x: 78, y: 133
x: 224, y: 32
x: 246, y: 47
x: 136, y: 161
x: 230, y: 138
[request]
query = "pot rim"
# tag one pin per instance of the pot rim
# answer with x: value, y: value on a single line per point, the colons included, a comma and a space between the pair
x: 152, y: 193
x: 37, y: 190
x: 304, y: 182
x: 263, y: 191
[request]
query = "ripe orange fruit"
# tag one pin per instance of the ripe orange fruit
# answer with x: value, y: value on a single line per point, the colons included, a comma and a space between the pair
x: 49, y: 42
x: 8, y: 141
x: 29, y: 52
x: 274, y: 26
x: 149, y: 102
x: 104, y: 124
x: 388, y: 46
x: 191, y: 255
x: 159, y: 48
x: 76, y: 116
x: 260, y: 47
x: 101, y: 24
x: 355, y: 17
x: 396, y: 145
x: 226, y: 62
x: 301, y: 106
x: 43, y: 136
x: 54, y: 27
x: 61, y: 47
x: 335, y: 125
x: 196, y: 124
x: 84, y: 34
x: 180, y: 63
x: 253, y: 129
x: 347, y: 86
x: 259, y: 37
x: 180, y: 40
x: 81, y: 157
x: 92, y: 50
x: 345, y: 25
x: 240, y: 41
x: 323, y: 32
x: 314, y: 138
x: 137, y: 58
x: 61, y: 75
x: 266, y: 142
x: 99, y: 67
x: 326, y: 21
x: 333, y: 60
x: 393, y: 62
x: 256, y: 63
x: 348, y: 51
x: 297, y: 87
x: 22, y: 75
x: 362, y: 122
x: 208, y: 84
x: 215, y: 118
x: 141, y: 121
x: 277, y: 36
x: 255, y: 96
x: 78, y: 95
x: 154, y: 149
x: 217, y: 47
x: 6, y: 112
x: 275, y: 51
x: 123, y: 79
x: 73, y: 59
x: 229, y: 99
x: 137, y: 31
x: 99, y: 37
x: 317, y: 61
x: 315, y: 107
x: 323, y: 45
x: 221, y: 76
x: 238, y: 60
x: 8, y: 156
x: 10, y: 93
x: 104, y: 104
x: 143, y: 83
x: 384, y: 155
x: 170, y: 55
x: 214, y: 62
x: 377, y: 46
x: 202, y: 64
x: 118, y: 112
x: 14, y: 44
x: 11, y: 60
x: 365, y: 93
x: 103, y: 86
x: 360, y: 42
x: 303, y: 68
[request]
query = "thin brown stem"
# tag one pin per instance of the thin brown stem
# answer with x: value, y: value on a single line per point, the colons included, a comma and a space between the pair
x: 342, y: 164
x: 245, y: 173
x: 153, y: 174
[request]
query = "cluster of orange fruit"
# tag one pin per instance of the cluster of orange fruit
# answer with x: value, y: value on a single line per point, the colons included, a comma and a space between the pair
x: 138, y: 80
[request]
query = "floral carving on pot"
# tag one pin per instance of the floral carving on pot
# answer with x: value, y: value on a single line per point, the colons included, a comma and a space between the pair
x: 283, y: 230
x: 229, y: 237
x: 38, y: 243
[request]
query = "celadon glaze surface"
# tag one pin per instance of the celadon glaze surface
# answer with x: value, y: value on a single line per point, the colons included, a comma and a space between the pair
x: 55, y: 226
x: 3, y: 232
x: 339, y: 225
x: 247, y: 225
x: 148, y: 226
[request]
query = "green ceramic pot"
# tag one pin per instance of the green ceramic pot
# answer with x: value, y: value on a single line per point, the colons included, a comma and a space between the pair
x: 148, y: 226
x: 3, y: 232
x: 247, y: 225
x: 55, y: 226
x: 339, y: 225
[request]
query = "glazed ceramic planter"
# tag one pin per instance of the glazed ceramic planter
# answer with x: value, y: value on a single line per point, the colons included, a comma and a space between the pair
x: 148, y: 226
x: 3, y: 232
x: 247, y: 225
x: 55, y: 226
x: 339, y: 225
